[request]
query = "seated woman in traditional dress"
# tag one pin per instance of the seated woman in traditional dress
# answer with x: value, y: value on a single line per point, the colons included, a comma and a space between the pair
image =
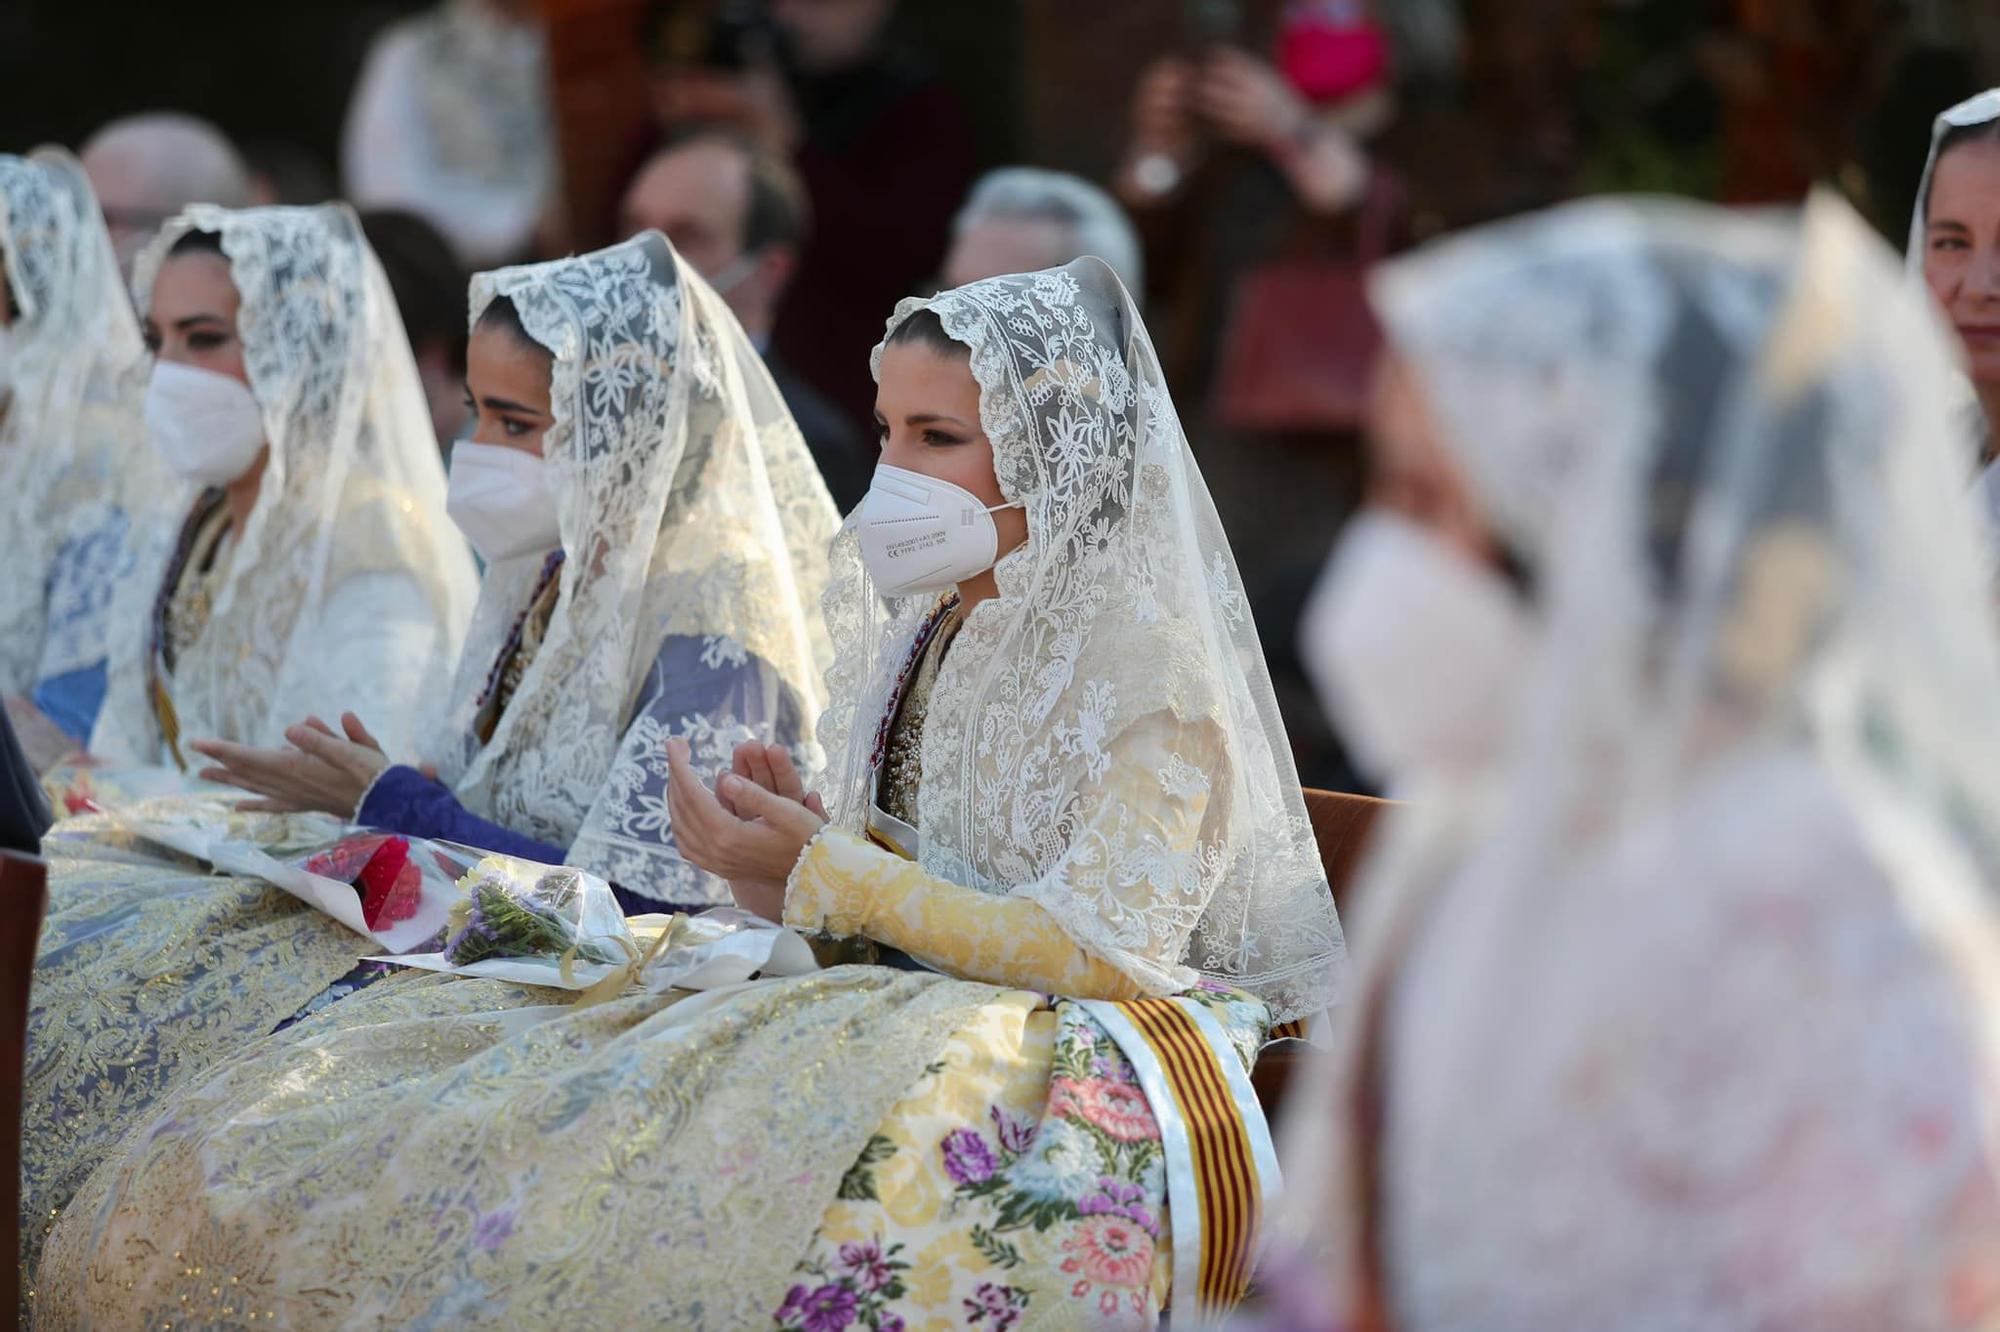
x: 1086, y: 762
x: 73, y: 455
x: 1684, y: 1006
x: 316, y: 566
x: 653, y: 527
x: 654, y: 536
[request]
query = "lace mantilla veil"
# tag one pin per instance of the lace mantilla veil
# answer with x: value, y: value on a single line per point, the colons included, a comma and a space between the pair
x: 1124, y: 603
x: 354, y: 487
x: 73, y: 454
x: 688, y: 507
x: 1721, y: 444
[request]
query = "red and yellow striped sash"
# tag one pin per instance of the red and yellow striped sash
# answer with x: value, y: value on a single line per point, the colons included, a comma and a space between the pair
x: 1220, y: 1164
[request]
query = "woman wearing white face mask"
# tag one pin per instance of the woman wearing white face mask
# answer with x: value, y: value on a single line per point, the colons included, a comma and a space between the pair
x: 1684, y: 1004
x: 74, y: 467
x: 1060, y: 602
x: 1065, y: 716
x: 315, y: 568
x: 653, y: 530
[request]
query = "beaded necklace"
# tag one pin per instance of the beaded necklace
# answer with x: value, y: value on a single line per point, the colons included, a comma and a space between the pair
x: 508, y: 664
x: 175, y: 624
x: 925, y: 631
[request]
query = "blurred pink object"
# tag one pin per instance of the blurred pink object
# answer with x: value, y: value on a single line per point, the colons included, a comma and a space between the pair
x: 1332, y: 49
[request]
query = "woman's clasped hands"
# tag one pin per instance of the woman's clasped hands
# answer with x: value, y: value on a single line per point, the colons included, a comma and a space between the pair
x: 751, y: 828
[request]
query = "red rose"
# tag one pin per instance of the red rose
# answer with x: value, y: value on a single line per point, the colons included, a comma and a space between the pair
x: 391, y: 885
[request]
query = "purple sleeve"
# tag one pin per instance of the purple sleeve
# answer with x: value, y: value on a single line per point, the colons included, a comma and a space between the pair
x: 404, y: 800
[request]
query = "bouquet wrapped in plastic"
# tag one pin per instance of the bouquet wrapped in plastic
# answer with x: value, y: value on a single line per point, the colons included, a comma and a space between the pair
x: 540, y: 924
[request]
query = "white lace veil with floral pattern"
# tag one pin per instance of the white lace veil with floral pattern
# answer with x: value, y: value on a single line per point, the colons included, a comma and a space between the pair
x: 1735, y: 846
x: 354, y: 487
x: 73, y: 449
x: 689, y: 508
x: 1123, y: 605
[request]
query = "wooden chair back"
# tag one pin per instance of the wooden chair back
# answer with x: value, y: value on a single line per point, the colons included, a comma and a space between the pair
x: 24, y: 900
x: 1342, y: 825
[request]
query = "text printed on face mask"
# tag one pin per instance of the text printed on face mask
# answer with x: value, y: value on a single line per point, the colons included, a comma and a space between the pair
x: 896, y: 550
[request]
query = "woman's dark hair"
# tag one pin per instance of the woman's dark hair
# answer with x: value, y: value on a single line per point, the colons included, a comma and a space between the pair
x: 500, y: 312
x: 925, y: 329
x: 197, y: 242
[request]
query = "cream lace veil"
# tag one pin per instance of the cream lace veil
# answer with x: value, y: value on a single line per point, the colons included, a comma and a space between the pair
x: 689, y: 509
x: 1123, y: 608
x: 354, y: 487
x: 73, y: 450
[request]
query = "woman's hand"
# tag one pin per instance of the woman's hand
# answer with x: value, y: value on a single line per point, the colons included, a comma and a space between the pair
x: 770, y: 767
x: 1248, y: 101
x: 1162, y: 112
x: 321, y: 771
x: 742, y: 831
x: 1164, y: 138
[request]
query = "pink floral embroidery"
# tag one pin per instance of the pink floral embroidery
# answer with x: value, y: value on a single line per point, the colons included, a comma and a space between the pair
x: 1119, y: 1108
x: 1110, y: 1251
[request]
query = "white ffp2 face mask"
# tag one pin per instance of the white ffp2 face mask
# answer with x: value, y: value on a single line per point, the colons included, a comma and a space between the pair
x: 920, y: 535
x: 500, y: 499
x: 1417, y: 651
x: 206, y: 425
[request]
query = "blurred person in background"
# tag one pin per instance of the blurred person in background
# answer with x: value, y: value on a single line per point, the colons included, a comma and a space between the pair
x: 429, y: 287
x: 1792, y: 77
x: 76, y: 476
x: 1233, y: 152
x: 1955, y: 244
x: 1249, y: 172
x: 146, y: 168
x: 1683, y: 1004
x: 451, y: 121
x: 1023, y: 219
x: 882, y: 142
x: 738, y: 213
x: 286, y: 173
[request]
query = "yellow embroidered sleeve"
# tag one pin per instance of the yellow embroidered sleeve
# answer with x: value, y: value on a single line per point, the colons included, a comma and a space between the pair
x: 846, y: 886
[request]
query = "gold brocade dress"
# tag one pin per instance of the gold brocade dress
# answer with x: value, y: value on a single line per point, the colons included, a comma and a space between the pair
x: 862, y: 1146
x: 151, y: 967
